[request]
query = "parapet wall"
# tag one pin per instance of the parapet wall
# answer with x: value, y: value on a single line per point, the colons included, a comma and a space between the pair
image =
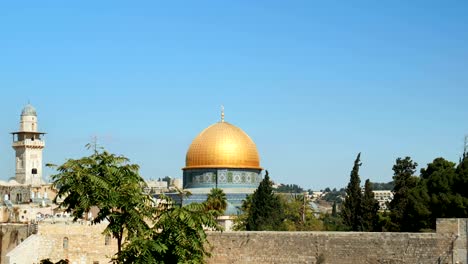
x: 448, y: 245
x: 81, y: 243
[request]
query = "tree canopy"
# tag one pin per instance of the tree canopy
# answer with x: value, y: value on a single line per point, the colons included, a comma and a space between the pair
x: 351, y: 208
x: 403, y: 205
x: 370, y: 209
x: 109, y: 183
x: 266, y: 212
x: 146, y: 232
x: 216, y: 201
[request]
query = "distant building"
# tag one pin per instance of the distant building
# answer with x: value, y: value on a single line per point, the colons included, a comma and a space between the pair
x: 383, y: 197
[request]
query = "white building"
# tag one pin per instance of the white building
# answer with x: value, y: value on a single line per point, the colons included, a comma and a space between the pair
x: 383, y: 197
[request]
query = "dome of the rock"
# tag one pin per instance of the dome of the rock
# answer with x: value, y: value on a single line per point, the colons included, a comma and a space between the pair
x: 222, y: 145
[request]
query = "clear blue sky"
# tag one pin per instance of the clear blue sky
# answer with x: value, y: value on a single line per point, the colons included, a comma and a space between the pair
x: 312, y: 82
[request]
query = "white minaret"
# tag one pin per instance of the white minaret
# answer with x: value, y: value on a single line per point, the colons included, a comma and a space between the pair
x: 28, y: 146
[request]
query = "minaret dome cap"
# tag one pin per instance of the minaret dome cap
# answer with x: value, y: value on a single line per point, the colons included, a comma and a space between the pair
x: 29, y: 110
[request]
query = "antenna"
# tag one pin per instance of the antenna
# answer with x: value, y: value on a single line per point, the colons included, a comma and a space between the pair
x: 94, y: 143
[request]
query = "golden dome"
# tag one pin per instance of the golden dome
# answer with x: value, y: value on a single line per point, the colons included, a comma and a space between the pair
x: 222, y: 145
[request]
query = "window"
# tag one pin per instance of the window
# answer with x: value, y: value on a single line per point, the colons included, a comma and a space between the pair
x: 34, y: 171
x: 107, y: 240
x: 65, y: 243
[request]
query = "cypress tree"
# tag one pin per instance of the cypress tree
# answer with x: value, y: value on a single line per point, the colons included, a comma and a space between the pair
x: 351, y: 210
x: 334, y: 213
x: 370, y: 209
x: 402, y: 205
x: 266, y: 212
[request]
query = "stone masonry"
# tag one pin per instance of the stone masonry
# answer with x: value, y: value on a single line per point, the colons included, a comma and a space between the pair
x: 87, y: 245
x: 448, y: 245
x: 11, y: 235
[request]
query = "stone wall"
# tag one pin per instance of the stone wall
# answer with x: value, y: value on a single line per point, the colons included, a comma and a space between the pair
x: 86, y: 244
x: 79, y: 243
x: 11, y: 235
x: 447, y: 245
x: 329, y: 247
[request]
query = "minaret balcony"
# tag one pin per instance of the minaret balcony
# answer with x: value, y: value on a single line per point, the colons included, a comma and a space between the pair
x: 29, y: 143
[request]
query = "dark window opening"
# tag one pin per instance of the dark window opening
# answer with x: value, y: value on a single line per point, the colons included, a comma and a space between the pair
x: 34, y: 171
x: 65, y: 242
x: 107, y: 240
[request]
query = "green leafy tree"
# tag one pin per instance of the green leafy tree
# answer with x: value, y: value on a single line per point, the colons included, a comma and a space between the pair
x: 168, y: 180
x: 111, y: 184
x: 177, y: 236
x: 335, y: 195
x: 266, y: 212
x: 240, y: 223
x: 289, y: 188
x: 351, y: 207
x: 165, y: 233
x: 216, y: 201
x: 402, y: 207
x: 298, y: 215
x: 370, y: 209
x: 333, y: 223
x: 461, y: 182
x: 444, y: 197
x: 377, y: 186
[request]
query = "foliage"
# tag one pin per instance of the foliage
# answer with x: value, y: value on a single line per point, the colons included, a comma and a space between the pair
x: 439, y: 192
x: 216, y: 201
x: 165, y: 233
x: 336, y: 196
x: 168, y: 180
x: 461, y: 182
x: 240, y: 223
x: 351, y: 207
x: 334, y: 212
x: 380, y: 186
x: 404, y: 205
x: 110, y: 183
x: 266, y: 212
x: 443, y: 191
x: 48, y: 261
x: 298, y: 214
x: 289, y: 188
x: 370, y: 209
x: 333, y: 223
x: 177, y: 236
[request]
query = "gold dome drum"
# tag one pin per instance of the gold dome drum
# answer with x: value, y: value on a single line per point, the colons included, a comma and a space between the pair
x: 222, y: 145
